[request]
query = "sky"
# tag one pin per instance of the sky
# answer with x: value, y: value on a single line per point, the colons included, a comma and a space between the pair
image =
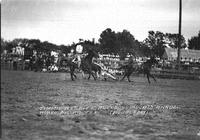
x: 66, y: 21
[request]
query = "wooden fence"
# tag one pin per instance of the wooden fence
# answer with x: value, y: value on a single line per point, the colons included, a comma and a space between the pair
x: 176, y: 74
x: 10, y: 65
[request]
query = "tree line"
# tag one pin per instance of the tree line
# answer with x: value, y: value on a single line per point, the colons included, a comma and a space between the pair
x: 111, y: 42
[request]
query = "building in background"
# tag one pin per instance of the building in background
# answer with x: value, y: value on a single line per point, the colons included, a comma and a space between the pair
x: 186, y: 55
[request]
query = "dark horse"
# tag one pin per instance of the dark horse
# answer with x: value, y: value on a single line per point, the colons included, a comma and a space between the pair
x: 86, y: 64
x: 144, y: 68
x: 96, y: 69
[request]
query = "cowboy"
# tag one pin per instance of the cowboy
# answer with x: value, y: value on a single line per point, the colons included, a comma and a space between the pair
x: 79, y: 50
x: 105, y: 72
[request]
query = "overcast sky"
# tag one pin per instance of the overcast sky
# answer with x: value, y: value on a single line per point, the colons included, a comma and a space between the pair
x: 65, y: 21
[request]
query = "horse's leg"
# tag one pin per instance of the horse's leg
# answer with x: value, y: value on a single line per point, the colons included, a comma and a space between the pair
x: 123, y: 77
x: 97, y: 73
x: 72, y: 78
x: 89, y: 76
x: 152, y: 77
x: 90, y: 73
x: 72, y: 73
x: 97, y: 76
x: 148, y: 77
x: 75, y: 75
x: 83, y: 74
x: 128, y: 76
x: 144, y: 72
x: 93, y: 75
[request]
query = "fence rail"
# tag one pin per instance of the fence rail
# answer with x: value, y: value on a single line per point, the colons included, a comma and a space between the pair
x: 12, y: 66
x: 175, y: 74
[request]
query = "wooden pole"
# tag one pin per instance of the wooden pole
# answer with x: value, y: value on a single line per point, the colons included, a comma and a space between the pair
x: 179, y: 33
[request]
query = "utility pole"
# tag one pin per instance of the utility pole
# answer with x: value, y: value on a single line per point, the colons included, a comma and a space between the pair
x: 179, y: 33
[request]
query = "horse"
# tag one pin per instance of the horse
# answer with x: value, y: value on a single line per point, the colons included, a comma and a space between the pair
x: 144, y: 68
x: 68, y: 62
x: 128, y: 70
x: 96, y: 69
x: 147, y: 68
x: 86, y: 64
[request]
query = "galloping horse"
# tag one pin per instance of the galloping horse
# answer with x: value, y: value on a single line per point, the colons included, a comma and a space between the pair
x: 86, y: 64
x: 68, y: 62
x: 128, y: 70
x: 97, y: 69
x: 144, y: 68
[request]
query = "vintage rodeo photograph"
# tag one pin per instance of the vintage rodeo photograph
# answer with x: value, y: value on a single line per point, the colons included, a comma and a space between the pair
x: 100, y: 70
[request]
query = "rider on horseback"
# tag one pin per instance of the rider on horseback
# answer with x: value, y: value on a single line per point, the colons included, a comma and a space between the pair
x: 77, y: 57
x: 130, y: 62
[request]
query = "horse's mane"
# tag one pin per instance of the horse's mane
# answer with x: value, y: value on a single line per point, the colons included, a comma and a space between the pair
x: 90, y: 55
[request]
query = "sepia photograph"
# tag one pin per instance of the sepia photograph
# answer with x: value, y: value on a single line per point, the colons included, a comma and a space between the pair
x: 100, y: 70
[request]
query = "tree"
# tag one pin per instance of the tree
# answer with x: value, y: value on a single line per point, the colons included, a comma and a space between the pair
x: 88, y: 45
x: 48, y: 47
x: 144, y: 49
x: 64, y: 49
x: 108, y: 41
x: 126, y: 43
x: 172, y: 40
x: 120, y: 43
x: 10, y: 45
x: 3, y: 45
x: 35, y: 44
x: 155, y: 42
x: 194, y: 42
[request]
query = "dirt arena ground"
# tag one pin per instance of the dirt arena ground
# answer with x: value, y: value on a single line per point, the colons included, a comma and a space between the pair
x: 49, y: 106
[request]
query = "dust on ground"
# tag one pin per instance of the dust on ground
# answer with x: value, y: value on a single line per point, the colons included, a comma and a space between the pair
x: 49, y: 106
